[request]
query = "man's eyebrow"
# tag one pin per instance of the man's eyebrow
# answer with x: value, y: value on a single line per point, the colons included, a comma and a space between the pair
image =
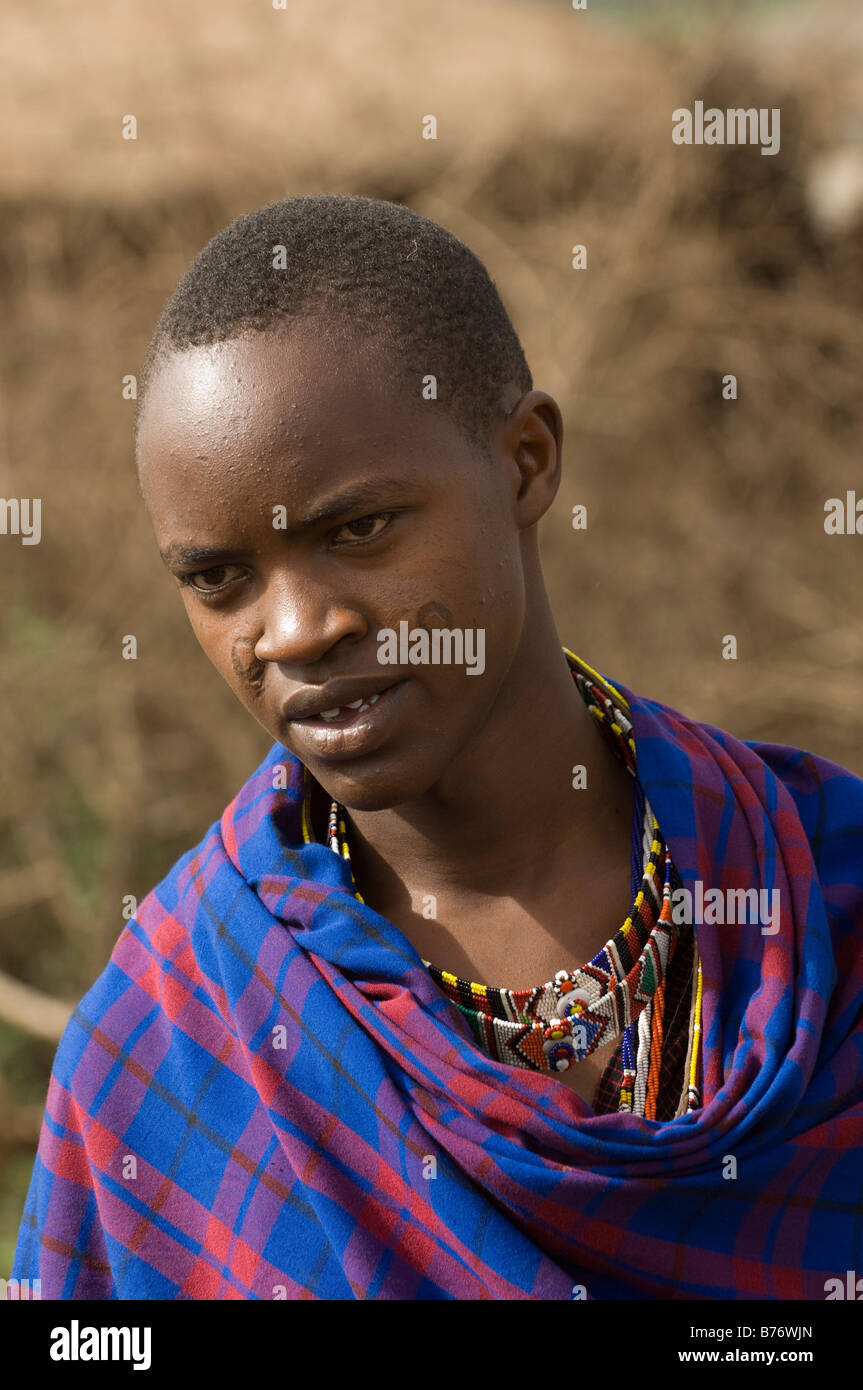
x: 352, y: 499
x: 178, y: 554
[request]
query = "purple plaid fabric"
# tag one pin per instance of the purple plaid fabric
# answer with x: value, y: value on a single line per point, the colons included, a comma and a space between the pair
x: 265, y: 1095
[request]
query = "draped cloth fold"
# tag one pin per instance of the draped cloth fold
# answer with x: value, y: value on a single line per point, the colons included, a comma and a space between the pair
x: 265, y: 1094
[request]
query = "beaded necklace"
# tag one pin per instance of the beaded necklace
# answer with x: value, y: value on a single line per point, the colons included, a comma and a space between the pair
x: 621, y: 990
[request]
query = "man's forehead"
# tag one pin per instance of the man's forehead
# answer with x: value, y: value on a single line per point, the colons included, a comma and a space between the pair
x: 288, y: 386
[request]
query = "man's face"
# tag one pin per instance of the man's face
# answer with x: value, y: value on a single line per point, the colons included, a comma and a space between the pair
x: 304, y: 504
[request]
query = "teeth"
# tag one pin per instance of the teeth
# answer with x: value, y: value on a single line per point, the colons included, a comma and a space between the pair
x: 331, y: 714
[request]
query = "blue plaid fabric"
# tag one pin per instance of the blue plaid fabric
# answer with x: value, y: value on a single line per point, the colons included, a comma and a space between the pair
x: 265, y: 1095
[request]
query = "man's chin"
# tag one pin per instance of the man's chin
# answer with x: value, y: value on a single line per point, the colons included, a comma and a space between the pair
x: 378, y: 790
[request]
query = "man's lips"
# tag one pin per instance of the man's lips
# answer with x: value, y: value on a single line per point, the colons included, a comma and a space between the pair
x: 339, y: 700
x: 340, y: 715
x: 352, y: 732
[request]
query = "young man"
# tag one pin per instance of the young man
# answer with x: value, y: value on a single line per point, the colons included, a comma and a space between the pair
x: 575, y: 1008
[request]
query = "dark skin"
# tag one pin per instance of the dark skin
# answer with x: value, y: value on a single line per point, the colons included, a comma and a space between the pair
x: 468, y: 798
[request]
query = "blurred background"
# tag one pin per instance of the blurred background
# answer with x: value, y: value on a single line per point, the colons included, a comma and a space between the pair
x: 705, y: 516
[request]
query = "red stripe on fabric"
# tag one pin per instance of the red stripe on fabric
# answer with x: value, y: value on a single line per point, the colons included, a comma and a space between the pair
x: 229, y: 834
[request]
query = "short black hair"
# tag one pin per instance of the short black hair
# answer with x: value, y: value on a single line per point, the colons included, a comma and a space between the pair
x: 372, y: 264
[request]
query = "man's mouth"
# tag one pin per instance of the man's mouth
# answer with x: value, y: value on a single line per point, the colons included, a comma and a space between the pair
x: 343, y: 714
x: 351, y: 730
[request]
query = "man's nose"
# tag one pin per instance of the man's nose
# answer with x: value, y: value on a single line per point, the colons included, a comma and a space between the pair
x: 301, y: 621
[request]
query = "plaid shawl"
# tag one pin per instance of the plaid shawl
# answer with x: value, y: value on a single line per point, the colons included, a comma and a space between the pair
x: 265, y: 1095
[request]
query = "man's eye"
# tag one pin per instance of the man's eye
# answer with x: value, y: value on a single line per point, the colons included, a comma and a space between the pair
x: 366, y: 525
x: 214, y: 576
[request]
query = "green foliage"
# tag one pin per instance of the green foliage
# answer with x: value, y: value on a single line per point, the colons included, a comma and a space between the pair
x: 15, y: 1170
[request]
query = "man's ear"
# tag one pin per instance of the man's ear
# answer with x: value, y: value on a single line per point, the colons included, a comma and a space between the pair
x: 532, y: 437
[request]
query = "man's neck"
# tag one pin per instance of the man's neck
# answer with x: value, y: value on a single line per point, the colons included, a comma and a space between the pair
x: 505, y: 838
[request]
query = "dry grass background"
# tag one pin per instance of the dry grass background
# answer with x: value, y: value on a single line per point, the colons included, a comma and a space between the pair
x: 705, y: 517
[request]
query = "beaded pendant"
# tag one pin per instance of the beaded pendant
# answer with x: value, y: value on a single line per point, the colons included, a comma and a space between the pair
x: 556, y: 1025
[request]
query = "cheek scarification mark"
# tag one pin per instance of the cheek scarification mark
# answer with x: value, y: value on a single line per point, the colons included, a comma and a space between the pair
x: 250, y: 669
x: 433, y: 615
